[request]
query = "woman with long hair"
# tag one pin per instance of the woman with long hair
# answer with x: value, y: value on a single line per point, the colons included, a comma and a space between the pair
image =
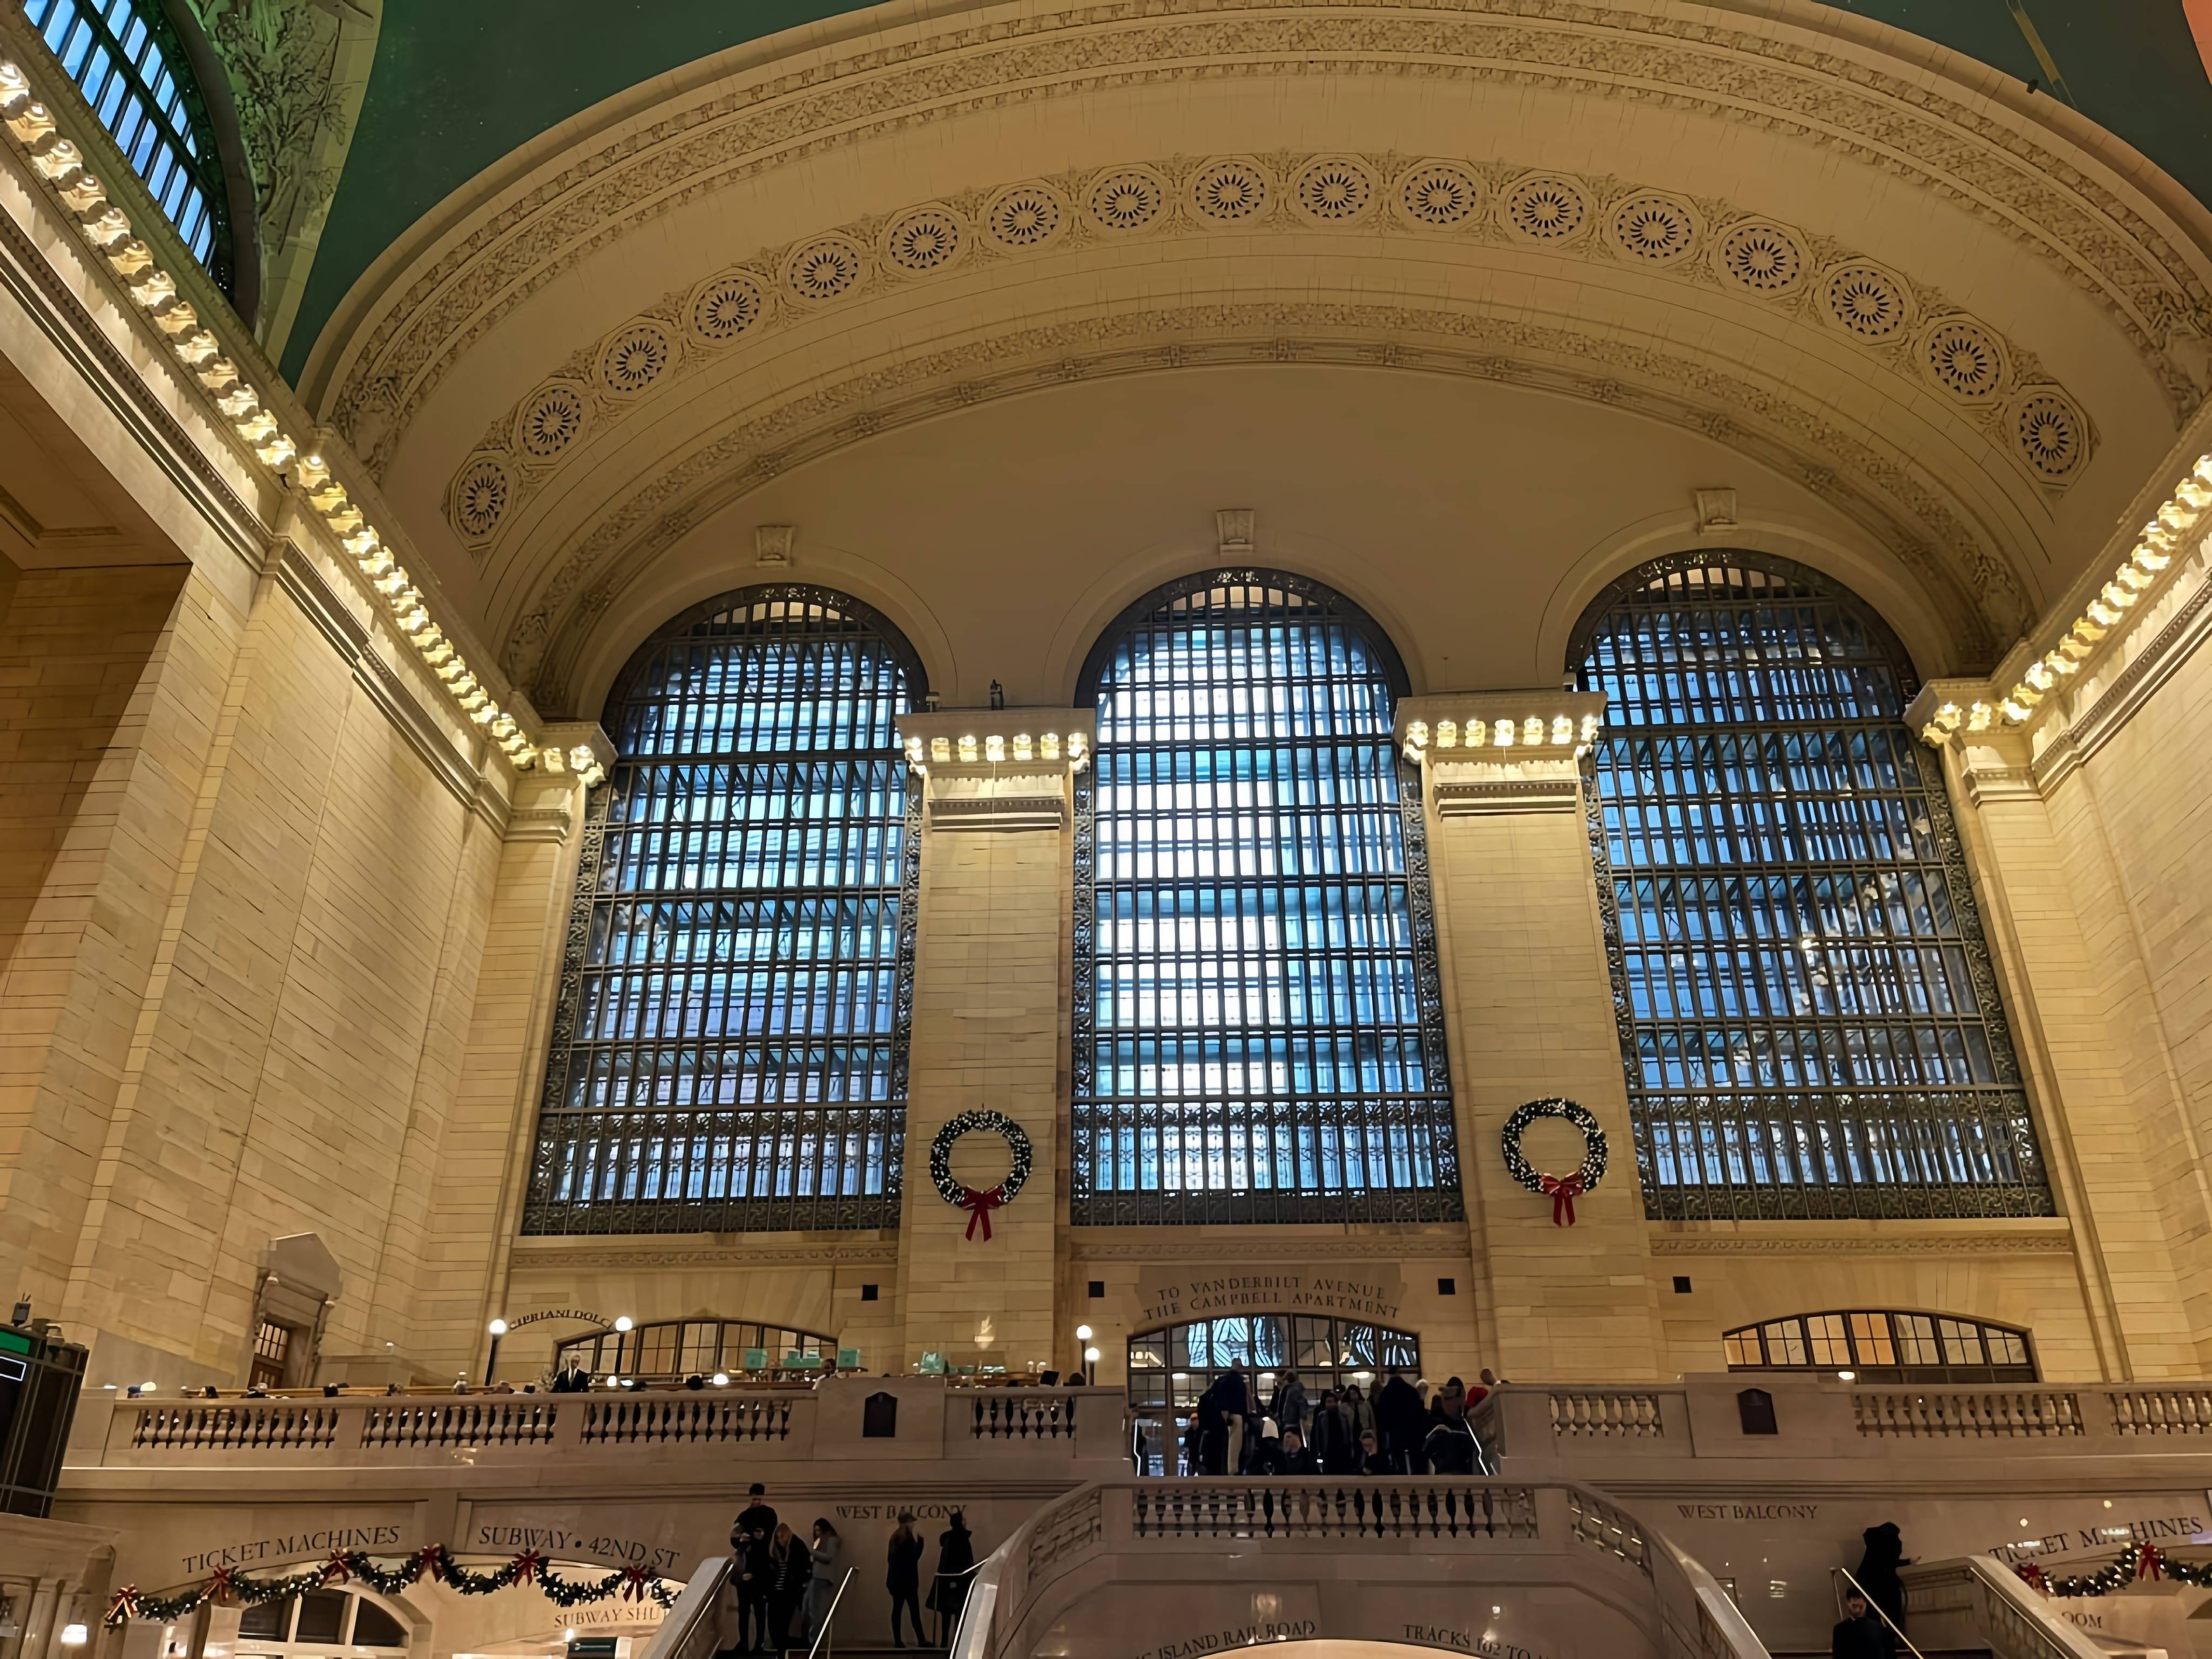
x: 790, y: 1568
x: 822, y: 1587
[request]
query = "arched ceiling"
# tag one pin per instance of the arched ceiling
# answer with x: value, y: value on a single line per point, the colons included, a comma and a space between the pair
x: 455, y: 88
x: 932, y: 289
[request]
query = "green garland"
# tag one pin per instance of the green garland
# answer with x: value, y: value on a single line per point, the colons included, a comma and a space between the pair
x: 2137, y: 1562
x: 433, y: 1561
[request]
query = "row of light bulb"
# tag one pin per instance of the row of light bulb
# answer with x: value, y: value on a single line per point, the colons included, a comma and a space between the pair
x: 2161, y: 541
x: 108, y: 229
x: 993, y: 750
x: 1531, y: 733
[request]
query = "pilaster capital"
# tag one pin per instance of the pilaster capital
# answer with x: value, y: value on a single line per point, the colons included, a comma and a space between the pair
x: 1486, y: 752
x: 998, y: 768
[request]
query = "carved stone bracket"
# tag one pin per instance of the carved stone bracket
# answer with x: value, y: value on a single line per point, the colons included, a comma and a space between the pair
x: 1487, y: 752
x: 998, y: 768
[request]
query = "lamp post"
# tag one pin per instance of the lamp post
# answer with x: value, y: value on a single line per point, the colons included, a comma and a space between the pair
x: 1082, y: 1338
x: 498, y: 1329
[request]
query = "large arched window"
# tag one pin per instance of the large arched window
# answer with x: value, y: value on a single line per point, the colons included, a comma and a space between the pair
x: 1258, y: 1032
x: 1811, y: 1027
x: 729, y: 1051
x: 126, y: 59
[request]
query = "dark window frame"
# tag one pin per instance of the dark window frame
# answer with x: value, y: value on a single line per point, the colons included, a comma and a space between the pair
x: 176, y: 143
x: 1430, y: 1109
x: 1869, y: 1365
x: 1813, y: 1130
x: 654, y: 1146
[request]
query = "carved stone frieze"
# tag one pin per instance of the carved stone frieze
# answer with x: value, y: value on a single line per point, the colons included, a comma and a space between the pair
x: 1902, y: 1241
x: 1978, y: 595
x: 1941, y: 136
x: 1712, y: 245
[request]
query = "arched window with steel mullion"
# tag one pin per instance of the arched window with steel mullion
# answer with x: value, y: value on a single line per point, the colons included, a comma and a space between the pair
x: 1813, y: 1027
x: 1257, y: 1026
x: 729, y: 1049
x: 130, y: 60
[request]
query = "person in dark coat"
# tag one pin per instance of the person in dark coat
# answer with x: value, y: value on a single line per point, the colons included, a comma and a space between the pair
x: 903, y: 1579
x: 1398, y: 1422
x: 1451, y: 1446
x: 1291, y: 1407
x: 1266, y: 1457
x: 1296, y: 1459
x: 1335, y: 1442
x: 1877, y: 1574
x: 791, y: 1569
x: 1372, y: 1458
x: 1222, y: 1401
x: 948, y: 1592
x: 572, y: 1377
x: 1859, y: 1634
x: 749, y: 1536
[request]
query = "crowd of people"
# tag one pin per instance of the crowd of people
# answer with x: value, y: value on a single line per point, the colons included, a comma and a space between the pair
x: 783, y: 1588
x: 1407, y: 1427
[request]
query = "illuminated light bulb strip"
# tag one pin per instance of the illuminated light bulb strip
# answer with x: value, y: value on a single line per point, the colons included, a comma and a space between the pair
x: 968, y: 751
x: 1424, y: 740
x: 2156, y: 549
x: 107, y: 229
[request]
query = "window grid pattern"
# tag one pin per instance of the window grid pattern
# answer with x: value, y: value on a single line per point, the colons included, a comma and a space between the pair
x: 1258, y: 1030
x: 729, y: 1050
x: 1809, y: 1021
x: 1170, y: 1369
x: 672, y: 1350
x: 1885, y: 1348
x: 125, y: 60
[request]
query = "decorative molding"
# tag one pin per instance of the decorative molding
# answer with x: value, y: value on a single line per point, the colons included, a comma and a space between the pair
x: 1986, y: 785
x: 28, y: 277
x: 1507, y: 795
x: 2157, y: 662
x: 300, y: 577
x: 539, y: 1251
x: 957, y: 814
x: 545, y: 823
x: 1210, y: 1249
x: 2040, y: 425
x: 1828, y: 1244
x: 1899, y: 116
x: 1881, y: 489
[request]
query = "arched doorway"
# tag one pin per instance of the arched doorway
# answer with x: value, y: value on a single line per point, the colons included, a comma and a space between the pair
x: 1170, y: 1367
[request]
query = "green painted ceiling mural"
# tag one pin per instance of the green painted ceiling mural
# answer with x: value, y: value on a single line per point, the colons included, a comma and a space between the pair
x: 458, y: 86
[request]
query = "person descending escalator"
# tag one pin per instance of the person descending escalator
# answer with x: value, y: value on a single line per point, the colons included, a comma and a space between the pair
x: 956, y: 1562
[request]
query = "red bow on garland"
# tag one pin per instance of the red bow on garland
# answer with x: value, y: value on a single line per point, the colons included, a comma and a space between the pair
x: 2150, y: 1563
x: 222, y: 1586
x: 529, y: 1567
x: 2034, y: 1576
x: 432, y: 1561
x: 125, y: 1605
x: 1563, y: 1190
x: 633, y: 1583
x: 335, y: 1571
x: 979, y: 1207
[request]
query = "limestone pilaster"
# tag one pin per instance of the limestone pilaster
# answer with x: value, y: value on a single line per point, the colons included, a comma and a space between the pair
x: 991, y: 982
x: 1530, y: 1002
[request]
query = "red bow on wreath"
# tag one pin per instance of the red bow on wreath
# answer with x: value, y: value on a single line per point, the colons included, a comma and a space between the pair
x: 125, y: 1605
x: 979, y: 1207
x: 431, y: 1563
x: 633, y: 1583
x: 2150, y: 1563
x: 1564, y: 1189
x: 529, y: 1567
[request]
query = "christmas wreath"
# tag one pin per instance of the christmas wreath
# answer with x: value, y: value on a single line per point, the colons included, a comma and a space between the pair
x: 1562, y: 1190
x: 978, y: 1205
